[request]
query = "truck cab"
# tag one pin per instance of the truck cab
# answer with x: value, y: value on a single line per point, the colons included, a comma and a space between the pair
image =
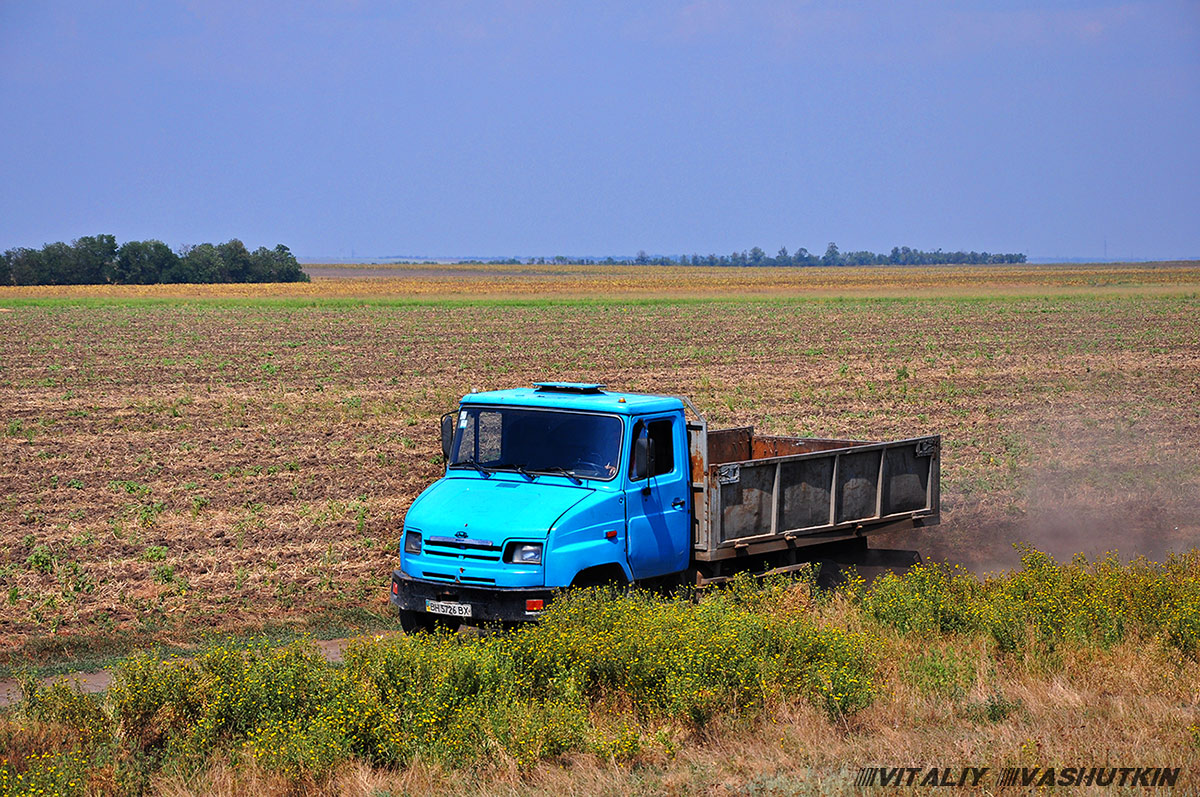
x: 558, y: 485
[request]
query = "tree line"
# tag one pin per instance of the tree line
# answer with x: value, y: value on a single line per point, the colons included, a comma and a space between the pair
x: 97, y: 260
x: 899, y: 256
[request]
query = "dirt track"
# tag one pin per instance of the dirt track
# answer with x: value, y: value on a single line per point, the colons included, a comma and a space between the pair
x: 98, y: 680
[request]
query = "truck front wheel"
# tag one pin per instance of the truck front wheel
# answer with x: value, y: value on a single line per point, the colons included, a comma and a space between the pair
x: 609, y: 575
x: 412, y: 622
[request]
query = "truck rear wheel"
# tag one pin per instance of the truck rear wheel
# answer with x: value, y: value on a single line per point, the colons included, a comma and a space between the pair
x: 830, y: 575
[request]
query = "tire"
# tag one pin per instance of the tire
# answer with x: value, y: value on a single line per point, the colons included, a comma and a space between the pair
x: 450, y: 625
x: 608, y: 576
x: 830, y: 575
x: 412, y: 622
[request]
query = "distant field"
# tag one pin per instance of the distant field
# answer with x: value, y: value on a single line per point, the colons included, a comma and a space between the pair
x: 178, y: 459
x: 433, y: 281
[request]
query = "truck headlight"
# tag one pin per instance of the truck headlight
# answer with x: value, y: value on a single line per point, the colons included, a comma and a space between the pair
x: 525, y: 553
x: 412, y: 542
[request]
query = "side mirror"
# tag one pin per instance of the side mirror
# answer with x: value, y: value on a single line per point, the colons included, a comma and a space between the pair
x: 447, y: 434
x: 641, y: 458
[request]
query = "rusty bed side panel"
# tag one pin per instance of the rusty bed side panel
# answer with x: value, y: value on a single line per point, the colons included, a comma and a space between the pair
x: 698, y: 460
x: 765, y: 447
x: 701, y: 495
x: 729, y: 445
x: 742, y: 444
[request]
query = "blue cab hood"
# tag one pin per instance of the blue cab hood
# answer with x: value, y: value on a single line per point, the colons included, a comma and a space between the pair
x: 492, y: 509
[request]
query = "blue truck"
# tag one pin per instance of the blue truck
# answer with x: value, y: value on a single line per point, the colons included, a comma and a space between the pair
x: 568, y: 484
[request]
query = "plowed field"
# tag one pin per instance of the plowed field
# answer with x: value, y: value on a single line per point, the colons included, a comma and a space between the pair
x: 176, y: 460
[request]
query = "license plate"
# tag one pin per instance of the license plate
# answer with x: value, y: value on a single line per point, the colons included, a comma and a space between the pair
x: 448, y: 608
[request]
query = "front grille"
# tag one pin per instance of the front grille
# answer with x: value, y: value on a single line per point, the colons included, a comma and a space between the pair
x: 461, y: 579
x: 478, y: 550
x: 457, y: 555
x: 463, y: 542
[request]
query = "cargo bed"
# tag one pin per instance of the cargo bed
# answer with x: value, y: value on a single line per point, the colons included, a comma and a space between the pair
x: 755, y: 494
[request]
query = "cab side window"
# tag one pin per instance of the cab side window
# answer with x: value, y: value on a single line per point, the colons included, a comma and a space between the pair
x: 660, y: 448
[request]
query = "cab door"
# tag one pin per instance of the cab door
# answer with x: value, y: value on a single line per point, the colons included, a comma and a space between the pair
x: 657, y: 495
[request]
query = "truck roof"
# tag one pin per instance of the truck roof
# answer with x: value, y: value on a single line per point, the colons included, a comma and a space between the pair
x: 577, y: 396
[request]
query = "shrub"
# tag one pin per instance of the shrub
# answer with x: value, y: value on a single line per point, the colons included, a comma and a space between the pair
x: 1182, y: 626
x: 43, y: 773
x: 731, y: 651
x: 929, y: 597
x: 295, y: 746
x: 518, y: 696
x: 1047, y: 603
x: 151, y: 701
x: 60, y: 702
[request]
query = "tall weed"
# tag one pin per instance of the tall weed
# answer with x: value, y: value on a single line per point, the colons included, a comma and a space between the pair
x: 1047, y: 603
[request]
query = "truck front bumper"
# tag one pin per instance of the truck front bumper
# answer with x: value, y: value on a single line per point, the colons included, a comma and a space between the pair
x: 488, y: 604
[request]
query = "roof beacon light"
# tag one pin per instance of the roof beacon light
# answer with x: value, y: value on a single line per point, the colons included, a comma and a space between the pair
x: 582, y: 388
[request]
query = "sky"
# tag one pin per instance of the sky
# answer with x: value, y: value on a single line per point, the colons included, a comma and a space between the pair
x: 355, y: 128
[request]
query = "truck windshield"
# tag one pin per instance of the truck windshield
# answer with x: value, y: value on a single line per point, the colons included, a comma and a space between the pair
x: 537, y: 441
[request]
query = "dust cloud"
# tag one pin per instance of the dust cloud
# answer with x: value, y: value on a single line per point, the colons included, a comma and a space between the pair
x: 1095, y: 495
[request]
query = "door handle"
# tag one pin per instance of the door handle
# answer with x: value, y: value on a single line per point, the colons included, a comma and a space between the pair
x: 677, y: 503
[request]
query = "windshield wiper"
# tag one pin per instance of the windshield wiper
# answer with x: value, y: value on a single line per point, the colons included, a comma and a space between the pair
x: 471, y: 461
x: 518, y: 469
x: 569, y: 474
